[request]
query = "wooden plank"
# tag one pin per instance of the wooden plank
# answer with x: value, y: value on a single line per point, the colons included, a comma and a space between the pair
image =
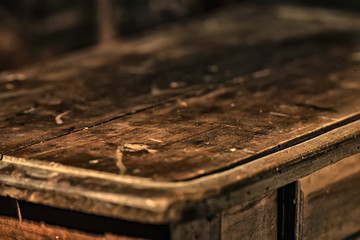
x: 204, y: 133
x: 254, y: 220
x: 13, y: 229
x: 198, y: 229
x: 331, y: 203
x: 210, y: 130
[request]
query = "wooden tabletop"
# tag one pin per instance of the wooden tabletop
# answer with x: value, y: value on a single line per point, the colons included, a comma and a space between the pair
x: 185, y: 120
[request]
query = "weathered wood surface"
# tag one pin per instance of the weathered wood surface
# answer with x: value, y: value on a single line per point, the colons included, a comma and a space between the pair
x: 253, y: 101
x: 332, y: 201
x: 254, y: 220
x: 181, y: 95
x: 11, y: 229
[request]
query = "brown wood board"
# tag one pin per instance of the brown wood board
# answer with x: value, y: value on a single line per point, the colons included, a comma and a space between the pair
x: 331, y: 206
x: 189, y: 101
x: 255, y: 220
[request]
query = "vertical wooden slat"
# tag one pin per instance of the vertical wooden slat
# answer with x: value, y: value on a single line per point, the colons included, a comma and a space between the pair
x: 332, y: 201
x: 254, y: 220
x: 199, y: 229
x: 299, y: 211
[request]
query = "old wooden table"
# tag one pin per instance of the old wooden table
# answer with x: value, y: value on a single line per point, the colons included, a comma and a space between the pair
x: 195, y: 130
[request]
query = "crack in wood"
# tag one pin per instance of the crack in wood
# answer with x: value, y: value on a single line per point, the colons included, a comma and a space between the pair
x: 285, y: 145
x: 196, y: 92
x: 119, y: 160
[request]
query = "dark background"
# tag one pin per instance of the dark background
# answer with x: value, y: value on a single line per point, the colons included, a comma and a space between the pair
x: 36, y: 30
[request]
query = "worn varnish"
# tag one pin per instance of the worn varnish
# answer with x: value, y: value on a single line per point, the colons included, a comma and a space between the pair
x: 258, y: 99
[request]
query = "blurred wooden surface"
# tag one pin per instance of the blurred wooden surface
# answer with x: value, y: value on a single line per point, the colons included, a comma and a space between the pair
x: 13, y: 229
x: 36, y: 31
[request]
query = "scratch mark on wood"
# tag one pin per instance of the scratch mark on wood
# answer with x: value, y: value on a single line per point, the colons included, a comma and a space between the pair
x: 18, y: 210
x: 279, y: 114
x: 30, y: 110
x: 129, y: 147
x: 58, y: 119
x: 94, y: 161
x: 155, y: 140
x: 132, y: 148
x: 119, y: 160
x: 248, y: 151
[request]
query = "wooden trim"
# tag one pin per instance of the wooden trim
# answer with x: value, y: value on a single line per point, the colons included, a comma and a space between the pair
x: 299, y: 214
x: 253, y: 220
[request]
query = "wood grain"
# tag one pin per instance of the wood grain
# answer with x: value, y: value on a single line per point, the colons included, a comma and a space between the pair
x: 255, y: 220
x: 138, y: 199
x: 193, y: 113
x: 332, y: 197
x: 186, y: 121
